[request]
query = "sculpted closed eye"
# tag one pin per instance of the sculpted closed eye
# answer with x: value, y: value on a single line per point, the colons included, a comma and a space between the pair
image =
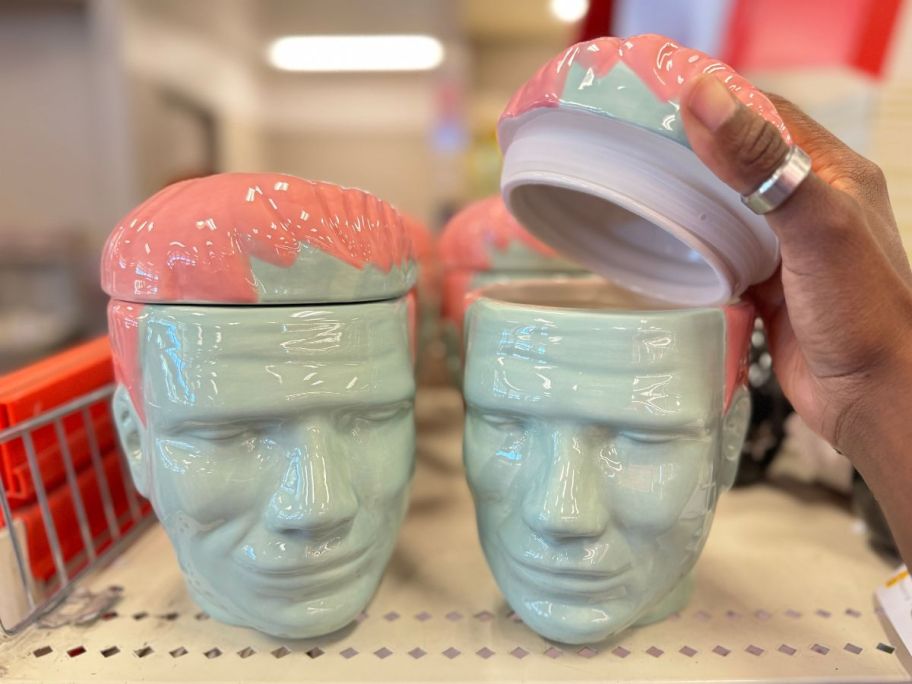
x: 228, y: 431
x: 376, y: 414
x: 651, y: 437
x: 216, y: 433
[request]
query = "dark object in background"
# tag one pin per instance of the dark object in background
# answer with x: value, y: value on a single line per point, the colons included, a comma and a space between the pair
x: 865, y: 506
x: 770, y: 409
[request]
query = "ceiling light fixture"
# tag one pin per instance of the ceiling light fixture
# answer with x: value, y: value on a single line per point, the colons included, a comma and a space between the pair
x: 569, y: 11
x: 356, y: 53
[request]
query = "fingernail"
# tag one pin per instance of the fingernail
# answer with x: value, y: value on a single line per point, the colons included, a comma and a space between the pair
x: 711, y: 103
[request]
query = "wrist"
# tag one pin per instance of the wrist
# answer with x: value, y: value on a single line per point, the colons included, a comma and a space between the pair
x: 882, y: 453
x: 876, y: 432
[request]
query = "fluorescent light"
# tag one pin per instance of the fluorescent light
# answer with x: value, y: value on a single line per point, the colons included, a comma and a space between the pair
x: 356, y: 53
x: 569, y: 11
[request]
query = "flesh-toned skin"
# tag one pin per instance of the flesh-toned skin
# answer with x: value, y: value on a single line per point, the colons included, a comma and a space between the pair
x: 839, y: 311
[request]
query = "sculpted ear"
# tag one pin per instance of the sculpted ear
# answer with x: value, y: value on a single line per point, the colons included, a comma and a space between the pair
x: 734, y: 429
x: 129, y: 429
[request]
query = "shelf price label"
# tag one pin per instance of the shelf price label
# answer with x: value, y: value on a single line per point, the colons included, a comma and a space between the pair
x: 895, y: 598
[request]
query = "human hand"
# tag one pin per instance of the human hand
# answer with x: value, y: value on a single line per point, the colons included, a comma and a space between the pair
x: 838, y: 313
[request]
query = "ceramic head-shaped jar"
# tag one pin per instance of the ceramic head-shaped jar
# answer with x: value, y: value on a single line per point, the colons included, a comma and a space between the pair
x: 484, y: 244
x: 601, y: 428
x: 265, y: 389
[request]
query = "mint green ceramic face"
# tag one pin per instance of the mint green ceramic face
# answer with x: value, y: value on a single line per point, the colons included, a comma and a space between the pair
x: 277, y: 452
x: 451, y: 334
x: 595, y: 447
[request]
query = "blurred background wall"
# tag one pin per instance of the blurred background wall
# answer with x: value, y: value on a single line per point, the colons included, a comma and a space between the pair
x: 52, y: 140
x: 102, y: 102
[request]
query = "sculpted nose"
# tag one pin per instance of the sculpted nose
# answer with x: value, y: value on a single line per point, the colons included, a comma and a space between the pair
x: 315, y: 494
x: 566, y: 500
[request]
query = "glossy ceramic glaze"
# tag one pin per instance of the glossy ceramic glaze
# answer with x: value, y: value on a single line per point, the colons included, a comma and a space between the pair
x: 425, y: 249
x: 600, y: 431
x: 427, y: 287
x: 638, y: 79
x: 484, y: 244
x: 597, y: 165
x: 277, y: 446
x: 484, y: 236
x: 245, y: 238
x: 275, y: 441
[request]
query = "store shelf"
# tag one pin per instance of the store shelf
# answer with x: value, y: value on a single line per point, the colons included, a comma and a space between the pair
x: 783, y: 592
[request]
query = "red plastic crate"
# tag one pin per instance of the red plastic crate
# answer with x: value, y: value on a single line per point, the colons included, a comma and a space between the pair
x: 40, y: 387
x: 61, y: 503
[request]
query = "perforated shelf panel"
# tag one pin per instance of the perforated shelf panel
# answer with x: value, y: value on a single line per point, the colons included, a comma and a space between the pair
x: 783, y: 592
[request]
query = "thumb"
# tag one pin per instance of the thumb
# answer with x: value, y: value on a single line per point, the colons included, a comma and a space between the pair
x: 743, y: 150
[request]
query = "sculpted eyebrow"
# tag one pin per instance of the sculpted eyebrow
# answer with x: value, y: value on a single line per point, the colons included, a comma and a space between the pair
x: 195, y: 416
x: 691, y: 429
x: 553, y: 410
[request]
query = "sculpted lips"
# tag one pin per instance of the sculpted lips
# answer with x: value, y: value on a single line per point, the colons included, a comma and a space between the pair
x: 308, y: 568
x: 569, y: 578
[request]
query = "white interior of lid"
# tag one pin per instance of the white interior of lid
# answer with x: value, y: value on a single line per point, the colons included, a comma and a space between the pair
x: 634, y: 206
x: 638, y: 255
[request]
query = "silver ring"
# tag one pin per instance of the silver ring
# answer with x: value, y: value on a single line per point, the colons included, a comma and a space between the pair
x: 781, y: 184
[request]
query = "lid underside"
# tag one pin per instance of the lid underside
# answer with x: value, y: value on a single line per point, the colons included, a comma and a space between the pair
x: 636, y: 207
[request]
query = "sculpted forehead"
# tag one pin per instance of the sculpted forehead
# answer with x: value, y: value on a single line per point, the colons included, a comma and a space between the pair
x: 636, y: 369
x: 268, y: 359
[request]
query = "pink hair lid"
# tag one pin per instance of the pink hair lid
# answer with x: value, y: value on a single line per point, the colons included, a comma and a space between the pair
x: 739, y: 325
x: 484, y: 226
x: 192, y: 242
x: 123, y: 331
x: 422, y: 239
x: 664, y: 67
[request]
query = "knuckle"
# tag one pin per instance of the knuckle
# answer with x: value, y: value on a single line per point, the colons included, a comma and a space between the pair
x: 873, y: 175
x: 862, y: 176
x: 866, y: 182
